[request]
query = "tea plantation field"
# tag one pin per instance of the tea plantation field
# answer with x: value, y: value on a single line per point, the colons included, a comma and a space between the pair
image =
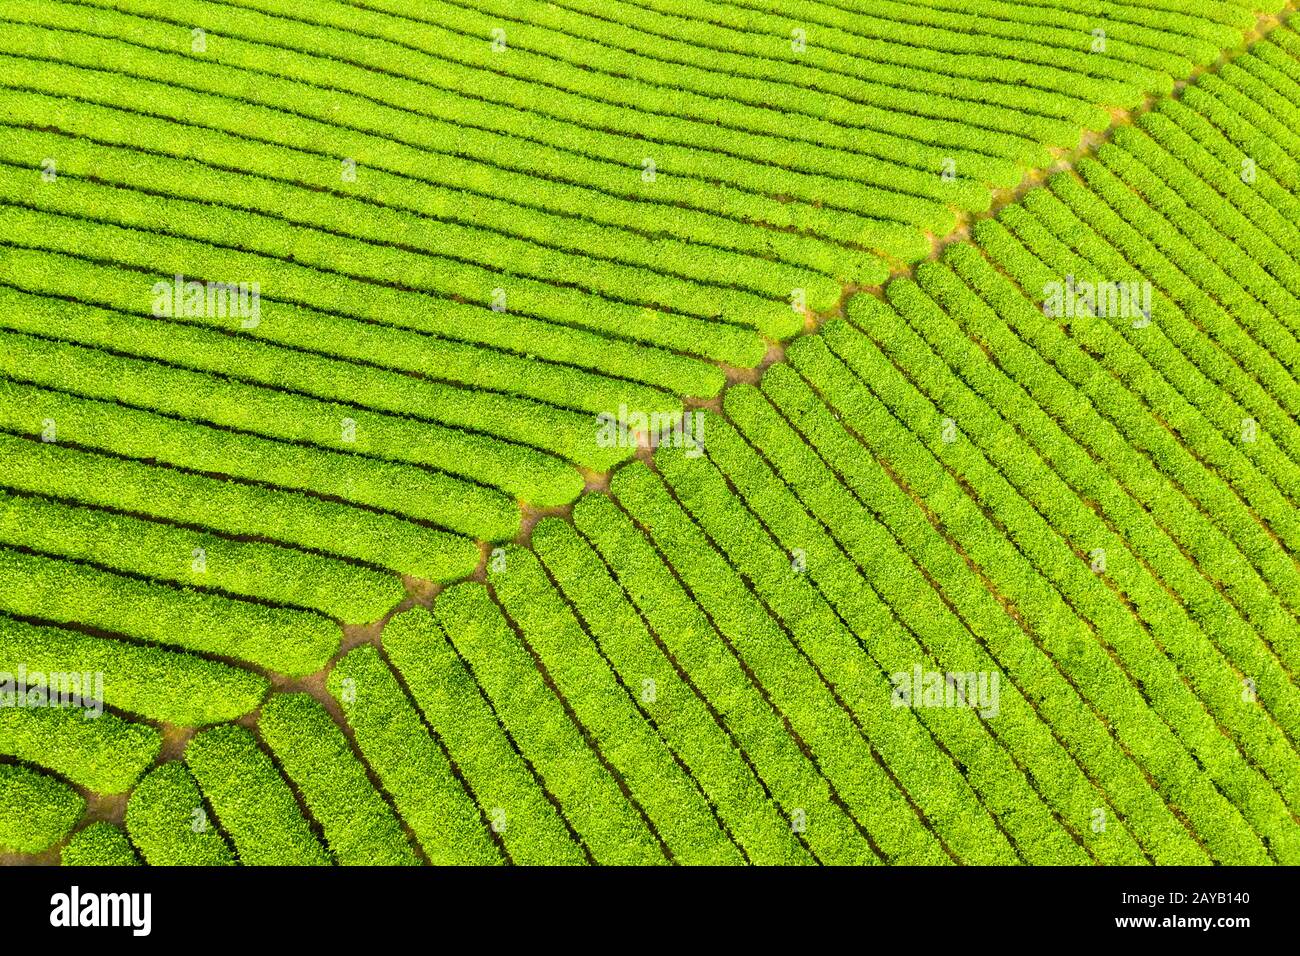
x: 479, y: 432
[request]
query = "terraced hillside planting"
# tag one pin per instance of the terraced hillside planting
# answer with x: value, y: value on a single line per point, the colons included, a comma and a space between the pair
x: 649, y: 432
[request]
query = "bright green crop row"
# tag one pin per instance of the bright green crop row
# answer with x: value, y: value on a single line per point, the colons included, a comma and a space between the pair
x: 234, y: 508
x: 611, y: 825
x: 1221, y: 86
x: 1145, y: 362
x: 457, y: 152
x: 796, y: 785
x: 900, y: 92
x: 1149, y: 367
x: 1280, y: 49
x: 511, y: 238
x: 390, y: 83
x: 1271, y: 84
x: 1117, y: 401
x: 1132, y: 515
x: 1201, y: 158
x: 168, y: 553
x: 1062, y: 367
x: 209, y: 399
x: 1057, y: 29
x: 1220, y: 409
x: 350, y: 268
x: 1167, y: 379
x: 863, y: 57
x: 122, y: 430
x: 1053, y: 30
x: 1215, y: 555
x: 1227, y: 271
x: 1037, y: 509
x: 810, y: 104
x: 1113, y: 397
x: 1198, y: 126
x: 1141, y: 725
x: 91, y: 747
x: 1216, y: 23
x: 278, y: 639
x: 671, y: 799
x: 100, y: 844
x: 678, y: 122
x: 578, y: 131
x: 162, y: 257
x: 1209, y: 98
x: 251, y: 801
x: 1288, y: 39
x: 671, y: 703
x: 901, y: 622
x: 804, y: 464
x: 155, y: 683
x: 962, y: 623
x: 1274, y: 70
x: 866, y: 35
x: 409, y: 763
x: 448, y: 187
x: 608, y: 86
x: 359, y: 827
x: 846, y: 753
x: 1262, y: 349
x: 846, y: 95
x: 36, y: 811
x: 170, y: 825
x: 901, y: 735
x: 457, y: 276
x: 1144, y: 166
x: 519, y: 811
x: 403, y: 351
x: 436, y: 267
x: 1270, y: 107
